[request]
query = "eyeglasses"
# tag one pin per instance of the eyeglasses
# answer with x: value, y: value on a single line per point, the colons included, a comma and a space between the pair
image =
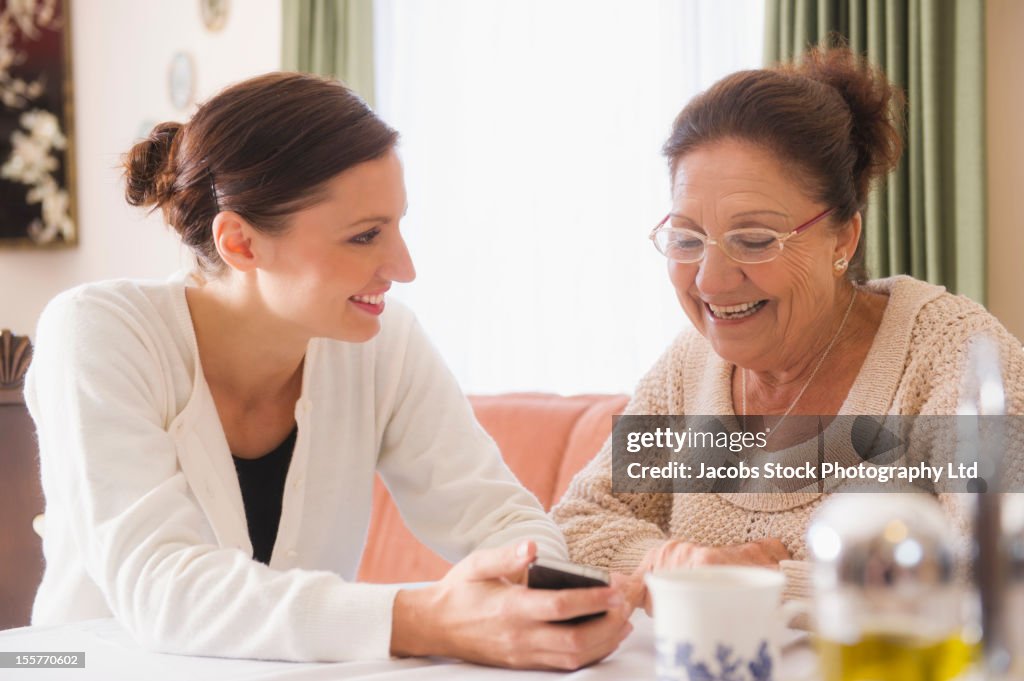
x: 747, y: 245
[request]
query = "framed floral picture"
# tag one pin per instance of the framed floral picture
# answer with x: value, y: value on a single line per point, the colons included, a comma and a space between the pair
x: 37, y: 201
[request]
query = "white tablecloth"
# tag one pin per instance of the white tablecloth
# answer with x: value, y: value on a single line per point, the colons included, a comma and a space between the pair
x: 111, y: 655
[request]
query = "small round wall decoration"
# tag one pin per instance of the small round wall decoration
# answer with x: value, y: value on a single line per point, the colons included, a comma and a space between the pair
x: 181, y: 80
x: 215, y: 13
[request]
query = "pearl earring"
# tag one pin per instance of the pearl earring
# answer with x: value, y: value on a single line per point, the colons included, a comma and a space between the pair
x: 841, y: 264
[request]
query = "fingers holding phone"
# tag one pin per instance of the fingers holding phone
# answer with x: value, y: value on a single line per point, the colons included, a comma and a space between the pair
x: 585, y: 597
x: 478, y: 613
x: 556, y: 575
x: 586, y: 617
x: 567, y: 646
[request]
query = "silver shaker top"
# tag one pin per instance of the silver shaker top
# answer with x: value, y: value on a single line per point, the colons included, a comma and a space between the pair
x: 884, y: 560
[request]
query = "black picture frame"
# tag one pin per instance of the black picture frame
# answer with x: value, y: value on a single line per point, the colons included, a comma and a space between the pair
x: 37, y: 143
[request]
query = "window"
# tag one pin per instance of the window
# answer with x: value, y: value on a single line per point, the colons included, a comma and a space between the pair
x: 531, y: 134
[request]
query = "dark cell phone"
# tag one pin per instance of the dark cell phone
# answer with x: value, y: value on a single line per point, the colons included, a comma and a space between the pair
x: 548, y: 573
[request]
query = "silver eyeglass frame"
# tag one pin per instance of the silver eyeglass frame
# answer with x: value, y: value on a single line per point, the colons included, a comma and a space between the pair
x: 780, y: 237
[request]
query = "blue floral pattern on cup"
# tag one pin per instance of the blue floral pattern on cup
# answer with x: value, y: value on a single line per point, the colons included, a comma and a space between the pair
x: 676, y: 663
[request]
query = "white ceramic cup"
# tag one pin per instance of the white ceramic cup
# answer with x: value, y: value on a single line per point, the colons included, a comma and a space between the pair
x: 718, y: 622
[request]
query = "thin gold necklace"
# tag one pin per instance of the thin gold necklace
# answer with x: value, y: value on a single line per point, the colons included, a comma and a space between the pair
x: 842, y: 325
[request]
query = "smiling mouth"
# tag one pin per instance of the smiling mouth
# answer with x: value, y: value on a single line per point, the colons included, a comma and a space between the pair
x: 735, y: 311
x: 370, y: 300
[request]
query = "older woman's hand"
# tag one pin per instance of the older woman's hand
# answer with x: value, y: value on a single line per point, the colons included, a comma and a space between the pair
x: 679, y: 554
x: 480, y: 612
x: 767, y: 553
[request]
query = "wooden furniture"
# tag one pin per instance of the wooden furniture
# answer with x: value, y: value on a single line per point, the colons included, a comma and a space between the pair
x: 21, y: 497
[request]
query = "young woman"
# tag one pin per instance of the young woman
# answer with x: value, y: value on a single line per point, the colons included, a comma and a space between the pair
x: 209, y: 444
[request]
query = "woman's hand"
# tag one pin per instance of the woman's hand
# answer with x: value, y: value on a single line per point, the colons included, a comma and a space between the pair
x: 632, y: 587
x: 679, y: 554
x: 481, y: 612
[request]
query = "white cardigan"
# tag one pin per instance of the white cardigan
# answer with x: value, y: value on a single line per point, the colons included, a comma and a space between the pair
x: 144, y: 517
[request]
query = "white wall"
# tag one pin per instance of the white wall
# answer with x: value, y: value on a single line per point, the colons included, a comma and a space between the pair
x: 120, y: 56
x: 1005, y: 99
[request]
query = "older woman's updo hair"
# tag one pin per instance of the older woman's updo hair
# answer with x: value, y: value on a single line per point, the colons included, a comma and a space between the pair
x: 831, y: 117
x: 262, y: 148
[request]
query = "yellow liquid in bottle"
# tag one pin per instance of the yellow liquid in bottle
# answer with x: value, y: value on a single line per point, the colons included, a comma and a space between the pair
x: 895, y: 657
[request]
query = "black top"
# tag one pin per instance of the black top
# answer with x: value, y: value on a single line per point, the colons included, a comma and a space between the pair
x: 262, y: 484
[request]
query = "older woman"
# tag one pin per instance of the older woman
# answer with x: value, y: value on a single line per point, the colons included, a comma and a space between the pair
x: 771, y: 171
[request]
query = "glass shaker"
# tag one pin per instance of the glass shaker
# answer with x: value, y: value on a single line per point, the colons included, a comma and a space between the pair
x: 887, y: 603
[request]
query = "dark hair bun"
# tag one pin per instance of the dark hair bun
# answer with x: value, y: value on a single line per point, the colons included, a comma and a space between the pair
x: 147, y: 172
x: 876, y: 108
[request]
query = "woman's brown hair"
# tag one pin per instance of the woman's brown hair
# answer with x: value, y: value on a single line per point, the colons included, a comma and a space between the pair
x: 832, y: 117
x: 262, y: 148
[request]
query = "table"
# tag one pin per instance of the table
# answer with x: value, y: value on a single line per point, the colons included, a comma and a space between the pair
x: 112, y: 655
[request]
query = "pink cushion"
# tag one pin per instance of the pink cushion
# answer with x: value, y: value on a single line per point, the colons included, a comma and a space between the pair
x: 545, y: 439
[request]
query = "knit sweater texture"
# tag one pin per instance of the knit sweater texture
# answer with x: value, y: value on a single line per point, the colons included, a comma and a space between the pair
x: 914, y: 367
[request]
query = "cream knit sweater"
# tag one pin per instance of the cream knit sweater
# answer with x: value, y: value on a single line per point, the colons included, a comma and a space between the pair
x: 914, y: 367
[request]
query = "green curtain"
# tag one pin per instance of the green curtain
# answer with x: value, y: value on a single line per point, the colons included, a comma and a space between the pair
x: 331, y: 38
x: 928, y: 218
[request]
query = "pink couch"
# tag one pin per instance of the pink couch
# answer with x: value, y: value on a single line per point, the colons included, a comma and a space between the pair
x: 545, y: 439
